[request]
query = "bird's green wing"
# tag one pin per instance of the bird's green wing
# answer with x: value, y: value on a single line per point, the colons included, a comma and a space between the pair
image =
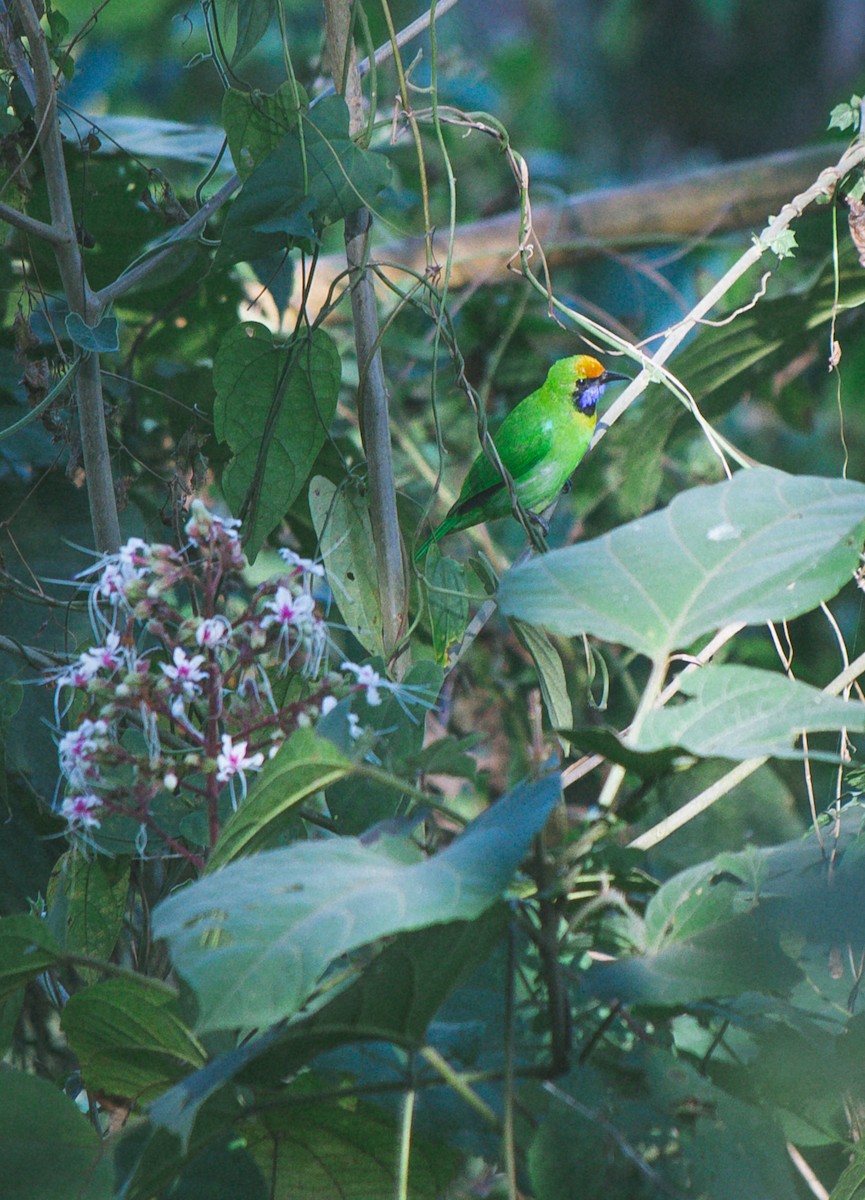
x: 525, y: 439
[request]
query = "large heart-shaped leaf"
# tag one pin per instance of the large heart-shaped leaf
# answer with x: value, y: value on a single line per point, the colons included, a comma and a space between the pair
x: 761, y: 546
x: 129, y: 1038
x: 255, y: 123
x: 274, y: 405
x: 314, y: 177
x: 739, y: 712
x: 48, y: 1147
x: 253, y: 939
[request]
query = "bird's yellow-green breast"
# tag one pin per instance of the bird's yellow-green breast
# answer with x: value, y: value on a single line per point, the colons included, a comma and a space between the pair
x: 540, y: 442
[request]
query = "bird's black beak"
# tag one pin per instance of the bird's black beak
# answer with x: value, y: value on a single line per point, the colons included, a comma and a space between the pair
x: 613, y: 377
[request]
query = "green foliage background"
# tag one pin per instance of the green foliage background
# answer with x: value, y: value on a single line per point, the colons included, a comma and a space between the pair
x: 572, y: 1007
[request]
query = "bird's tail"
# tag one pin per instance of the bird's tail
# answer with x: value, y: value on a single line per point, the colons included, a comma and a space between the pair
x: 439, y: 532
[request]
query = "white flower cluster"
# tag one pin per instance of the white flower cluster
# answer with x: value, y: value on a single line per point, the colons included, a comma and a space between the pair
x: 183, y: 665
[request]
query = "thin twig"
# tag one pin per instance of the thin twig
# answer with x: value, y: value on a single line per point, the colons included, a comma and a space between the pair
x: 15, y: 54
x: 30, y: 225
x: 189, y: 229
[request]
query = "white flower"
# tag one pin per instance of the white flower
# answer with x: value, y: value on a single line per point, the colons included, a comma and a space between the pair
x: 328, y: 704
x: 301, y: 566
x: 354, y: 727
x: 77, y: 746
x: 79, y: 811
x: 404, y: 694
x: 78, y: 675
x: 235, y: 761
x: 202, y: 524
x: 213, y: 631
x: 289, y: 610
x: 120, y: 570
x: 102, y: 658
x: 294, y: 616
x: 134, y: 554
x: 185, y: 672
x: 170, y: 782
x: 369, y: 679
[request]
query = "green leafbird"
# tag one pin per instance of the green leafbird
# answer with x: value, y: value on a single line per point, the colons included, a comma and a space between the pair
x: 540, y: 443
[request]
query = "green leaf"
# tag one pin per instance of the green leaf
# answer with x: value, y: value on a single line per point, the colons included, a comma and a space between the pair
x: 254, y: 939
x: 394, y: 1000
x: 740, y: 712
x: 47, y: 1147
x: 762, y: 546
x: 745, y: 922
x: 447, y: 594
x: 342, y: 525
x: 599, y: 739
x: 330, y: 1150
x: 551, y: 673
x: 303, y: 185
x: 103, y: 338
x: 87, y: 901
x: 648, y: 1124
x: 129, y: 1038
x: 273, y: 406
x: 27, y: 947
x: 845, y: 116
x: 304, y: 765
x: 253, y: 20
x: 255, y: 123
x: 851, y: 1185
x: 11, y: 695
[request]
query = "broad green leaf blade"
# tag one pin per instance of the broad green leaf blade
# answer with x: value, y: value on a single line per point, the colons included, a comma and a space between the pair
x: 27, y: 947
x: 735, y: 956
x: 344, y: 531
x: 47, y: 1147
x: 652, y: 1109
x: 253, y: 19
x: 762, y: 546
x: 253, y: 939
x: 255, y: 123
x: 87, y: 899
x: 304, y: 765
x: 129, y: 1038
x: 393, y: 1000
x: 273, y: 406
x: 746, y: 922
x: 740, y: 712
x: 302, y: 186
x: 327, y: 1150
x: 447, y: 596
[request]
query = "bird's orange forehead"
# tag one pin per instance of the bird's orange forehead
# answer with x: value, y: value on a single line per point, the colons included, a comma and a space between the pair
x: 586, y: 367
